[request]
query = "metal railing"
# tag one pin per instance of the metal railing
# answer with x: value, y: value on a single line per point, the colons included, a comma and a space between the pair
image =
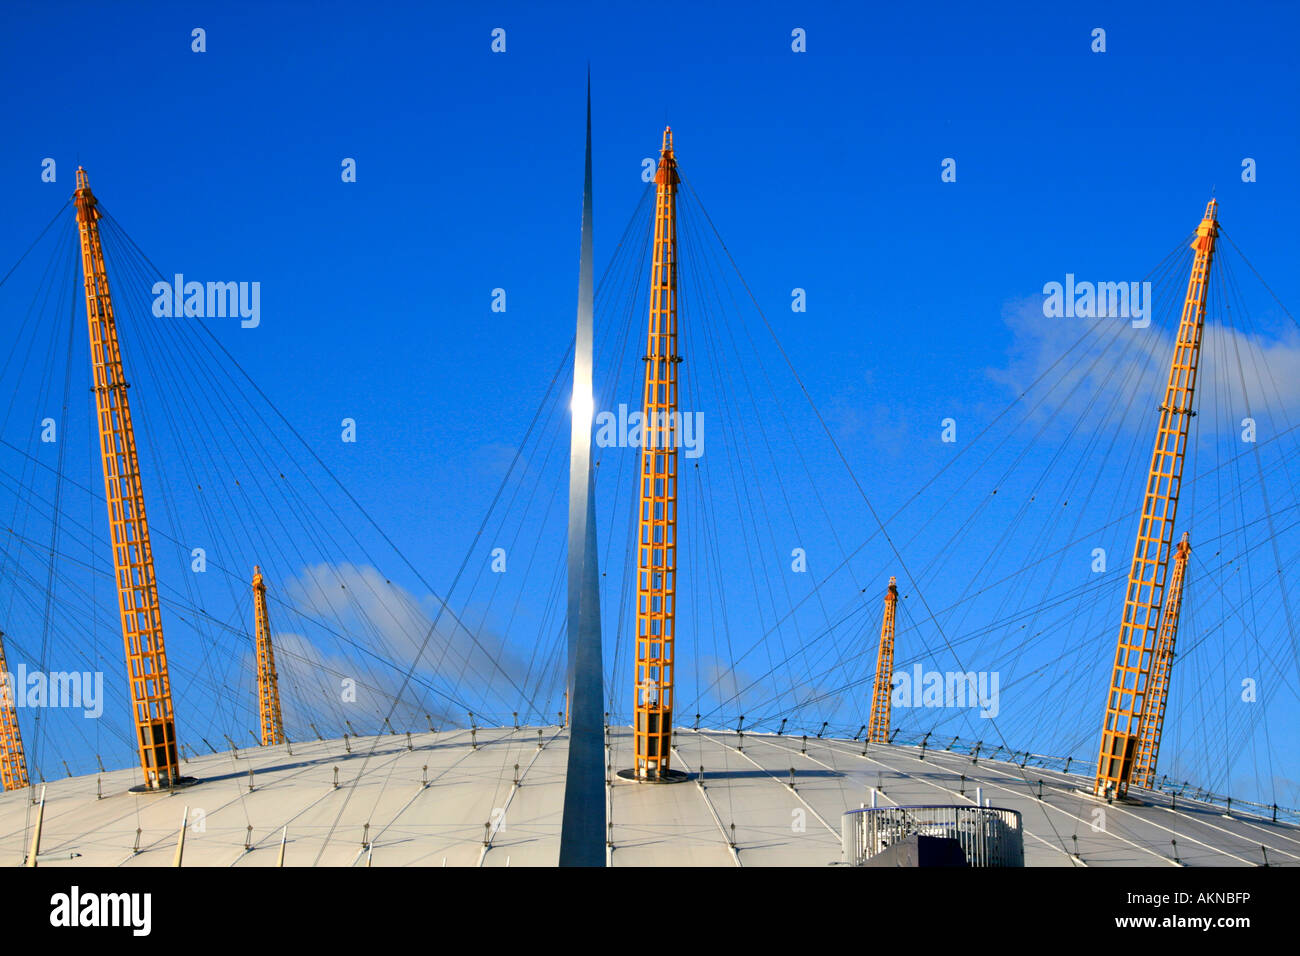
x: 989, y: 836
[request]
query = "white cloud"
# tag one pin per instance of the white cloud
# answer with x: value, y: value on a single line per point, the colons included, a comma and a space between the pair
x: 398, y: 628
x: 1083, y: 376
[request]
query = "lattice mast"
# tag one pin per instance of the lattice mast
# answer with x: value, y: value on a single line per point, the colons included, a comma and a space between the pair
x: 13, y: 761
x: 878, y: 728
x: 137, y: 586
x: 657, y: 541
x: 1153, y: 715
x: 268, y: 684
x: 1135, y: 647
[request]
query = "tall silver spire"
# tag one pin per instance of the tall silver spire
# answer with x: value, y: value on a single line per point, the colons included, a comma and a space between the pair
x: 582, y: 834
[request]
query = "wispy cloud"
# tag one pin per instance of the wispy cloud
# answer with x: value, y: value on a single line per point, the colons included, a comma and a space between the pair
x: 450, y: 662
x: 1238, y: 371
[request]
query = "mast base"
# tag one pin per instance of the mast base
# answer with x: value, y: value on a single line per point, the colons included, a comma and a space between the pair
x: 658, y: 776
x: 177, y: 784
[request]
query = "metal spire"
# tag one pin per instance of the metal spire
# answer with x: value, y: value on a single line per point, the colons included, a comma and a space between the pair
x: 582, y: 833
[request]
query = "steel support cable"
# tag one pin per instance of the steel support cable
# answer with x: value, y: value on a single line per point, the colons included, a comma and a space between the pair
x: 1194, y: 470
x: 198, y: 451
x: 541, y: 474
x: 133, y: 278
x: 636, y: 307
x: 898, y: 556
x: 705, y: 286
x: 1066, y: 597
x: 45, y: 286
x: 459, y: 573
x: 68, y: 584
x: 364, y: 617
x: 748, y: 493
x: 182, y: 607
x: 37, y: 307
x: 129, y: 292
x: 1087, y: 613
x: 960, y: 601
x: 723, y: 392
x: 1256, y: 358
x: 543, y: 652
x: 75, y: 621
x: 48, y: 287
x: 124, y: 707
x: 1268, y: 510
x: 1068, y: 492
x: 741, y: 364
x: 1261, y: 377
x: 631, y: 307
x: 27, y: 595
x: 54, y: 525
x: 615, y: 268
x: 216, y: 390
x: 811, y: 482
x: 1007, y: 472
x: 1246, y: 579
x: 35, y: 242
x: 709, y: 503
x: 351, y: 498
x: 536, y: 417
x: 1067, y: 376
x: 1214, y: 356
x: 48, y: 284
x: 1223, y: 397
x: 1043, y: 376
x: 235, y: 576
x: 1102, y: 584
x: 957, y: 641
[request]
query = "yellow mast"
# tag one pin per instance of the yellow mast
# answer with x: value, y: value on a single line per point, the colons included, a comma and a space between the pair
x: 657, y: 541
x: 137, y: 587
x: 878, y: 729
x: 1135, y: 647
x: 1153, y: 716
x: 268, y: 684
x: 13, y: 762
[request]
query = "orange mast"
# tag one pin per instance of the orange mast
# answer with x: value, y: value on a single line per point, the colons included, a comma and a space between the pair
x: 1153, y: 717
x: 13, y: 761
x: 1135, y: 647
x: 137, y: 587
x: 657, y: 541
x: 878, y: 729
x: 268, y: 684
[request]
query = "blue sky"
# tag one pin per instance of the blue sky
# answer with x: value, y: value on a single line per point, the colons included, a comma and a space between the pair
x: 820, y: 169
